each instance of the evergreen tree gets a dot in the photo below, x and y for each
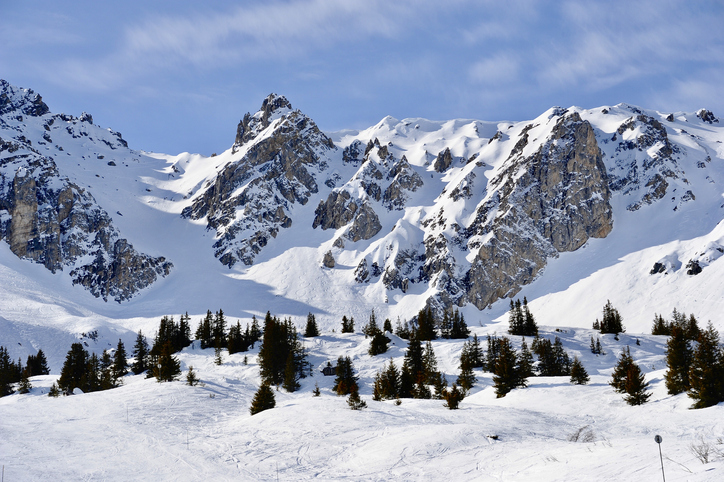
(621, 371)
(255, 332)
(346, 381)
(378, 344)
(291, 378)
(218, 332)
(204, 332)
(218, 356)
(37, 364)
(440, 386)
(453, 397)
(466, 380)
(120, 361)
(311, 329)
(280, 339)
(429, 364)
(263, 399)
(492, 354)
(237, 341)
(73, 373)
(387, 383)
(107, 379)
(525, 361)
(9, 373)
(458, 329)
(54, 391)
(165, 366)
(403, 331)
(426, 324)
(476, 354)
(25, 384)
(387, 326)
(316, 392)
(371, 328)
(553, 361)
(579, 375)
(355, 402)
(612, 321)
(191, 379)
(678, 360)
(706, 373)
(413, 360)
(506, 376)
(636, 386)
(91, 381)
(660, 327)
(183, 333)
(515, 318)
(141, 354)
(347, 325)
(446, 325)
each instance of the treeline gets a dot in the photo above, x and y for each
(12, 372)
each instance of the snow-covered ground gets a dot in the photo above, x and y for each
(170, 431)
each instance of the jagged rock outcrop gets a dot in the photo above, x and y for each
(552, 201)
(48, 219)
(250, 199)
(443, 160)
(340, 209)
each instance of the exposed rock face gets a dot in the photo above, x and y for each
(328, 261)
(443, 160)
(340, 209)
(249, 201)
(558, 203)
(48, 219)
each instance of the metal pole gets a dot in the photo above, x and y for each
(658, 440)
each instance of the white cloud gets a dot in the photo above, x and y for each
(500, 69)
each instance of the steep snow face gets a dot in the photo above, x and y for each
(46, 216)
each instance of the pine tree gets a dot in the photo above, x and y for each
(166, 367)
(191, 379)
(612, 321)
(446, 325)
(506, 376)
(678, 360)
(371, 328)
(621, 370)
(346, 381)
(347, 325)
(263, 399)
(453, 397)
(54, 391)
(291, 380)
(579, 375)
(413, 360)
(204, 332)
(92, 378)
(25, 384)
(316, 392)
(378, 345)
(7, 373)
(660, 327)
(525, 361)
(218, 332)
(255, 333)
(466, 380)
(403, 331)
(706, 373)
(492, 354)
(440, 386)
(426, 325)
(355, 402)
(107, 379)
(387, 326)
(73, 373)
(387, 383)
(636, 386)
(140, 353)
(120, 361)
(459, 329)
(311, 330)
(218, 356)
(183, 334)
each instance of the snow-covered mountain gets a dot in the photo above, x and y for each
(570, 209)
(394, 217)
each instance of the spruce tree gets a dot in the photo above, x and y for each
(371, 328)
(204, 332)
(579, 375)
(612, 321)
(73, 373)
(636, 386)
(218, 332)
(311, 330)
(263, 399)
(255, 333)
(678, 360)
(660, 327)
(191, 379)
(466, 380)
(108, 381)
(387, 383)
(347, 325)
(120, 361)
(378, 345)
(621, 370)
(25, 386)
(525, 361)
(446, 325)
(346, 381)
(355, 402)
(459, 329)
(506, 376)
(140, 353)
(291, 380)
(54, 391)
(8, 374)
(316, 392)
(91, 381)
(706, 373)
(387, 326)
(426, 324)
(166, 367)
(453, 397)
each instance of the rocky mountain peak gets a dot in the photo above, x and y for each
(22, 101)
(251, 125)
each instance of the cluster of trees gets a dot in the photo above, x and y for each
(282, 359)
(12, 372)
(414, 379)
(629, 379)
(521, 320)
(89, 372)
(212, 333)
(694, 358)
(611, 321)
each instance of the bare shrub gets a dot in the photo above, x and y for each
(584, 434)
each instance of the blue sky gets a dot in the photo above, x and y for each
(177, 76)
